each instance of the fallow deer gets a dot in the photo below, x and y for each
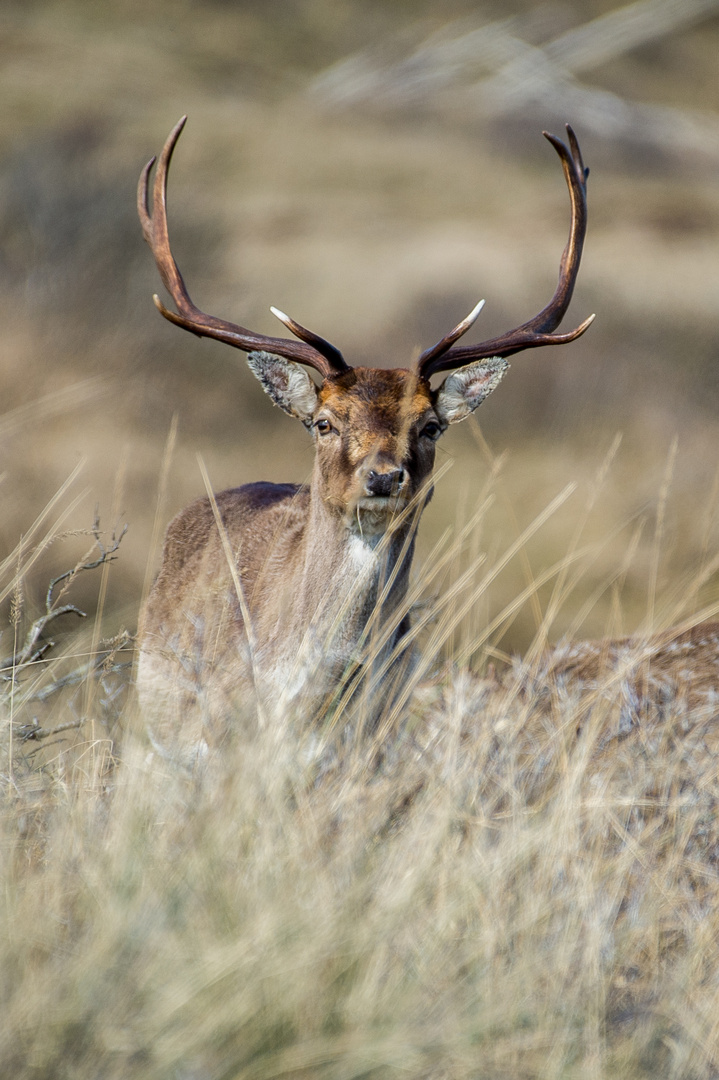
(637, 677)
(271, 588)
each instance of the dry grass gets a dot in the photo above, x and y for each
(498, 884)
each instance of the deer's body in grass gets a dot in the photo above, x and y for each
(274, 588)
(640, 675)
(307, 563)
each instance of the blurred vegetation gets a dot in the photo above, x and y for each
(377, 227)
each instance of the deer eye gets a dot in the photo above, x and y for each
(323, 427)
(432, 430)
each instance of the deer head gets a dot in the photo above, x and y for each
(375, 429)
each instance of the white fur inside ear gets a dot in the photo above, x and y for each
(287, 383)
(465, 390)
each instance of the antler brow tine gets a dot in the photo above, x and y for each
(539, 330)
(312, 350)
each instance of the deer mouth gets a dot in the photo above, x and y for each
(382, 504)
(373, 515)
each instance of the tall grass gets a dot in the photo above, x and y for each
(506, 884)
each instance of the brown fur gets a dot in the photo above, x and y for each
(310, 562)
(640, 675)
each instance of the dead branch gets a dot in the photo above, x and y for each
(35, 645)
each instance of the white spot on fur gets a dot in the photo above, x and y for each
(360, 554)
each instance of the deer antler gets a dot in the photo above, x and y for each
(312, 350)
(538, 331)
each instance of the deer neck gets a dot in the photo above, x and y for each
(349, 562)
(342, 573)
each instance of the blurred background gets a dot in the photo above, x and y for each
(373, 168)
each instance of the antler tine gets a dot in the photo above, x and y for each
(539, 330)
(311, 338)
(454, 335)
(313, 351)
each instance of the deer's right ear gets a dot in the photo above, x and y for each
(465, 390)
(287, 383)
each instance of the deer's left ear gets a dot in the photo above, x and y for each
(465, 390)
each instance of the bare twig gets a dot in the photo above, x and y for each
(34, 731)
(34, 645)
(103, 663)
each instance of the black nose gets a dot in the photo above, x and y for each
(385, 483)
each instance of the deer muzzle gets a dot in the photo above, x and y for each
(387, 484)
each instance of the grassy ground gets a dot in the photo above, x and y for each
(502, 884)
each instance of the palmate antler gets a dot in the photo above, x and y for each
(314, 351)
(538, 331)
(311, 350)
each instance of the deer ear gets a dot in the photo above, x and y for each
(465, 390)
(287, 383)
